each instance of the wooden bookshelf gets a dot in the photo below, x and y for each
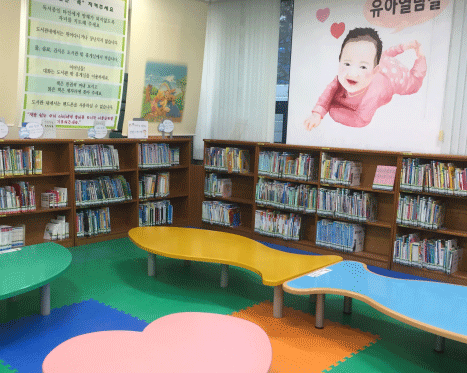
(379, 234)
(58, 170)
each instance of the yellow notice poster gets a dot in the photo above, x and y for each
(75, 58)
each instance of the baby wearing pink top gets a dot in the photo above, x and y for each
(367, 79)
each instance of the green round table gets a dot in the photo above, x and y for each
(32, 267)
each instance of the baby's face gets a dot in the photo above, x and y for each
(357, 65)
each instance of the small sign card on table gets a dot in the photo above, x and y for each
(138, 129)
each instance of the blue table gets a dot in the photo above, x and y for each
(32, 267)
(438, 308)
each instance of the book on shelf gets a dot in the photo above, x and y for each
(433, 254)
(96, 157)
(286, 195)
(17, 198)
(217, 186)
(155, 213)
(58, 197)
(221, 213)
(384, 177)
(287, 165)
(104, 189)
(154, 185)
(420, 211)
(277, 224)
(12, 238)
(26, 161)
(92, 222)
(341, 236)
(433, 177)
(154, 155)
(227, 159)
(57, 229)
(347, 204)
(339, 171)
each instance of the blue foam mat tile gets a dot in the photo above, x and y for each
(24, 343)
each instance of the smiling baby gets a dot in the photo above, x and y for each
(366, 80)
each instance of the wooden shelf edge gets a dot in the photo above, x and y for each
(450, 232)
(47, 174)
(459, 278)
(79, 241)
(37, 211)
(242, 201)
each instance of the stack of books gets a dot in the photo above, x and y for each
(347, 204)
(157, 155)
(26, 161)
(57, 229)
(12, 238)
(154, 186)
(216, 186)
(221, 213)
(155, 213)
(340, 171)
(433, 177)
(53, 198)
(340, 236)
(286, 196)
(227, 160)
(19, 197)
(277, 224)
(92, 222)
(424, 212)
(300, 166)
(102, 190)
(435, 254)
(98, 157)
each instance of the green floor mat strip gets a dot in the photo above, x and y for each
(6, 368)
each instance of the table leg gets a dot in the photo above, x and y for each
(151, 264)
(440, 343)
(45, 300)
(347, 305)
(320, 311)
(224, 275)
(278, 301)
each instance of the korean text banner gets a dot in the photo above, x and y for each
(75, 60)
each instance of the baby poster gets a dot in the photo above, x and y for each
(369, 74)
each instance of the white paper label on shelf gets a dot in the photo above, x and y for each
(35, 130)
(3, 130)
(137, 129)
(100, 129)
(319, 272)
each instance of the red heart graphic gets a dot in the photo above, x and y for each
(337, 29)
(322, 14)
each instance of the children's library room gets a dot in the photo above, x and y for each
(235, 186)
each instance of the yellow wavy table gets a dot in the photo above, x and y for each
(275, 267)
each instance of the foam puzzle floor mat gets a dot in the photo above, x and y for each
(297, 346)
(27, 341)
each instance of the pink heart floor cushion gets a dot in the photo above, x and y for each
(181, 342)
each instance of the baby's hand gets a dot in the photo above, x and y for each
(415, 45)
(312, 121)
